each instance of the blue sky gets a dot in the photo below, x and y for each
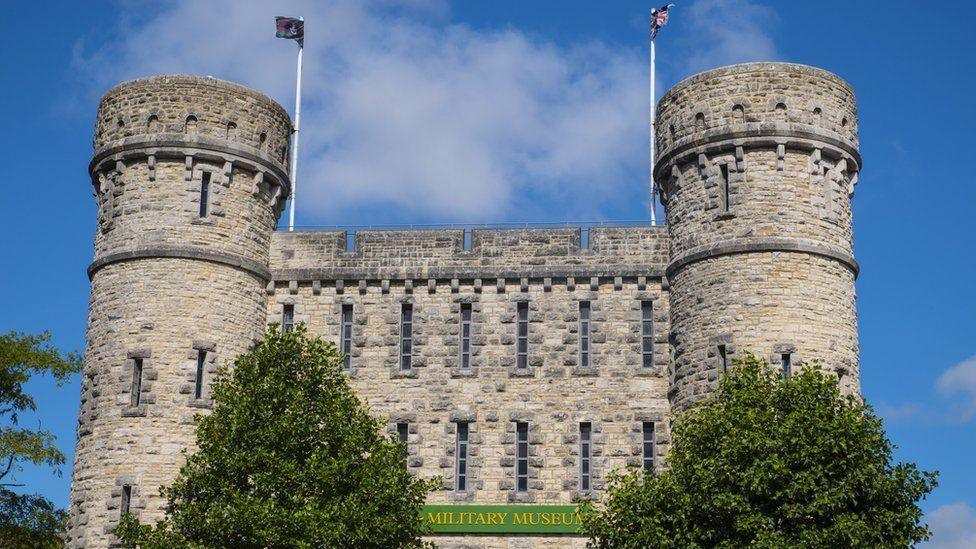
(517, 111)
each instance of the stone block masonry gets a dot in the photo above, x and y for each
(757, 165)
(452, 332)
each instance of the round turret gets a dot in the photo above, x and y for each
(190, 177)
(757, 165)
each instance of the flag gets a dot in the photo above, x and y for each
(659, 16)
(290, 28)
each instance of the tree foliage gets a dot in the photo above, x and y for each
(289, 457)
(769, 462)
(28, 520)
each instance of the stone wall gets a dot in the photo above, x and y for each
(194, 108)
(758, 164)
(545, 268)
(171, 282)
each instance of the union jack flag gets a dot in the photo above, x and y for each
(290, 28)
(659, 16)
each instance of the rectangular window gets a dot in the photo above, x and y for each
(345, 337)
(647, 439)
(461, 455)
(135, 395)
(723, 358)
(522, 457)
(204, 193)
(785, 363)
(724, 187)
(403, 432)
(465, 335)
(287, 318)
(586, 456)
(406, 336)
(126, 500)
(522, 361)
(584, 334)
(647, 334)
(201, 362)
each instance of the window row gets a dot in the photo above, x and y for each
(464, 334)
(521, 463)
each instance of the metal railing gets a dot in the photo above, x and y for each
(496, 225)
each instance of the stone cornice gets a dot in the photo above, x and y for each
(180, 252)
(753, 245)
(178, 146)
(800, 136)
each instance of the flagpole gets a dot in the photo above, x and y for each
(653, 117)
(294, 141)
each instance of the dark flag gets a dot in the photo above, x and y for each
(290, 28)
(659, 16)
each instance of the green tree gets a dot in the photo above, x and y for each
(289, 457)
(28, 520)
(769, 462)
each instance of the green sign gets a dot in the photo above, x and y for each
(502, 519)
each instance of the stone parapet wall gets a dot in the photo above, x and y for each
(193, 107)
(507, 253)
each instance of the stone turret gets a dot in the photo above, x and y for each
(190, 176)
(757, 165)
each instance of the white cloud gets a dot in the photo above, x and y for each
(411, 115)
(953, 527)
(723, 32)
(960, 380)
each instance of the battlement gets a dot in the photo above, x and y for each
(455, 253)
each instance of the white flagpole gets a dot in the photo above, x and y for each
(294, 141)
(653, 116)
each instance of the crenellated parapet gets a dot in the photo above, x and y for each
(488, 254)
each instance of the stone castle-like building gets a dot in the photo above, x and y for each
(520, 365)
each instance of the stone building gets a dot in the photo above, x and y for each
(520, 365)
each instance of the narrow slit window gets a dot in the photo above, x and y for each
(647, 334)
(135, 394)
(345, 340)
(461, 457)
(403, 433)
(724, 187)
(786, 363)
(584, 334)
(287, 318)
(465, 335)
(406, 336)
(522, 457)
(204, 193)
(126, 502)
(522, 351)
(647, 446)
(586, 457)
(201, 364)
(723, 358)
